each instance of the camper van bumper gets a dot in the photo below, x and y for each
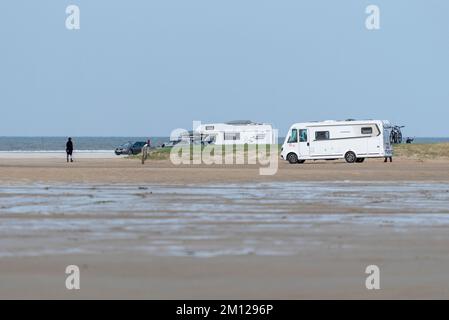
(283, 155)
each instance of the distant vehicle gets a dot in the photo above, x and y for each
(130, 148)
(136, 148)
(409, 140)
(168, 144)
(235, 132)
(123, 149)
(330, 140)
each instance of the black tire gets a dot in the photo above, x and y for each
(301, 161)
(360, 160)
(350, 157)
(292, 158)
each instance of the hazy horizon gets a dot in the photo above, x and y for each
(144, 68)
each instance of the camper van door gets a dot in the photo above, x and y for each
(292, 141)
(304, 144)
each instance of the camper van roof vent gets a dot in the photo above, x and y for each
(240, 122)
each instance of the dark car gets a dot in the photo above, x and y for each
(130, 148)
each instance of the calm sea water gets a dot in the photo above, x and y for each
(101, 143)
(81, 143)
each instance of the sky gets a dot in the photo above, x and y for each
(146, 67)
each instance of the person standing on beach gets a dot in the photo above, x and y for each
(69, 149)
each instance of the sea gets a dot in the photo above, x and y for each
(82, 144)
(102, 144)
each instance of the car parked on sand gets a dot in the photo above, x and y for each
(130, 148)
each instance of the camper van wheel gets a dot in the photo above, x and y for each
(360, 160)
(292, 158)
(301, 161)
(350, 157)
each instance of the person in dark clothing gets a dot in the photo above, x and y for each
(69, 149)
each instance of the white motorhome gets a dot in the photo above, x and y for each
(236, 132)
(351, 140)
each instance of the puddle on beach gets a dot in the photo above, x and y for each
(211, 220)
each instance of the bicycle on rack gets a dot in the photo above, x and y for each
(396, 135)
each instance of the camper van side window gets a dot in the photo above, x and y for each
(232, 136)
(209, 127)
(322, 135)
(367, 130)
(303, 135)
(293, 136)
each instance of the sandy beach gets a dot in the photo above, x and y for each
(224, 150)
(161, 231)
(110, 169)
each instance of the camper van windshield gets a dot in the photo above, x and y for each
(293, 136)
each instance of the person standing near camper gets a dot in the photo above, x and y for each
(69, 149)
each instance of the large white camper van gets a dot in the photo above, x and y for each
(236, 132)
(330, 140)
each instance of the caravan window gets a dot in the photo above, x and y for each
(367, 130)
(293, 136)
(232, 136)
(209, 127)
(322, 135)
(209, 139)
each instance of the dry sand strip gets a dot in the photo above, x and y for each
(120, 170)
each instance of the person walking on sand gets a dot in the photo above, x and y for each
(69, 149)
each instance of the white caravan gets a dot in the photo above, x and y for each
(351, 140)
(236, 132)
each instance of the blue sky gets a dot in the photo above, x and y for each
(145, 67)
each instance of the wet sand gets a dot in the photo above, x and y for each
(138, 232)
(322, 275)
